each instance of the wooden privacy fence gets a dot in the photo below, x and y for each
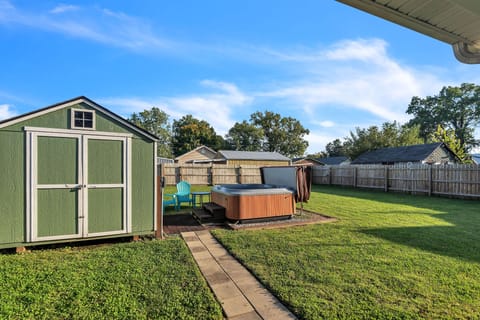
(206, 174)
(461, 181)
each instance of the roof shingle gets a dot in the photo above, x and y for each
(252, 155)
(413, 153)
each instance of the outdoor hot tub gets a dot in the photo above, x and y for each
(254, 201)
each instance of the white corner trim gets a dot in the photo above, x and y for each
(75, 131)
(155, 188)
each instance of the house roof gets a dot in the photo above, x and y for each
(161, 160)
(199, 149)
(72, 102)
(305, 158)
(251, 155)
(331, 161)
(456, 22)
(413, 153)
(476, 158)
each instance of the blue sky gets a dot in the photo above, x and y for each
(330, 66)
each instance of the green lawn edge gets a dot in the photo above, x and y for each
(389, 256)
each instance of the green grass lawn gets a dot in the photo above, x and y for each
(143, 280)
(390, 256)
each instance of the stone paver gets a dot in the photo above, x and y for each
(240, 294)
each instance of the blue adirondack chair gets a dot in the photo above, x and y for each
(169, 199)
(183, 193)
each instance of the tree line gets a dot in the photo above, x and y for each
(451, 117)
(265, 131)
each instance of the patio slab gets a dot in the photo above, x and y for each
(240, 294)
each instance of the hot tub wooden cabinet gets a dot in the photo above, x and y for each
(254, 201)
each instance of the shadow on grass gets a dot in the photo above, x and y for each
(460, 240)
(452, 241)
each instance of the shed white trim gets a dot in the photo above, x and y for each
(81, 132)
(73, 102)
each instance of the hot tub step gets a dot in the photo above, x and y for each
(204, 216)
(218, 212)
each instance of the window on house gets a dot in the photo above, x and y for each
(83, 119)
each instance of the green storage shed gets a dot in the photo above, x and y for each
(75, 171)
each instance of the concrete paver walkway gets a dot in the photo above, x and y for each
(241, 295)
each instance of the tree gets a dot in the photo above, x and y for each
(281, 134)
(448, 137)
(390, 134)
(156, 122)
(245, 137)
(454, 108)
(189, 133)
(316, 155)
(335, 148)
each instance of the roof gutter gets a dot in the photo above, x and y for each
(467, 53)
(465, 50)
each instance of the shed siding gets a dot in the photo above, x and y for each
(143, 199)
(13, 163)
(52, 208)
(12, 186)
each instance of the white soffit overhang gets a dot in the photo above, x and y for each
(456, 22)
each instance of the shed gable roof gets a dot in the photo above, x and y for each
(251, 155)
(72, 102)
(413, 153)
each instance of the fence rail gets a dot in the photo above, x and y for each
(459, 181)
(206, 174)
(462, 181)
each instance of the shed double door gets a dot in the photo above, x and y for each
(78, 186)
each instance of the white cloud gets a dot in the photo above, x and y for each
(216, 108)
(317, 141)
(327, 124)
(62, 8)
(365, 50)
(355, 74)
(353, 77)
(92, 23)
(6, 112)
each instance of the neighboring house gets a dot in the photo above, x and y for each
(161, 160)
(476, 158)
(433, 153)
(334, 161)
(252, 158)
(202, 154)
(306, 162)
(72, 171)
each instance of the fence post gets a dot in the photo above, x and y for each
(210, 174)
(430, 180)
(239, 174)
(354, 177)
(386, 178)
(330, 175)
(178, 174)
